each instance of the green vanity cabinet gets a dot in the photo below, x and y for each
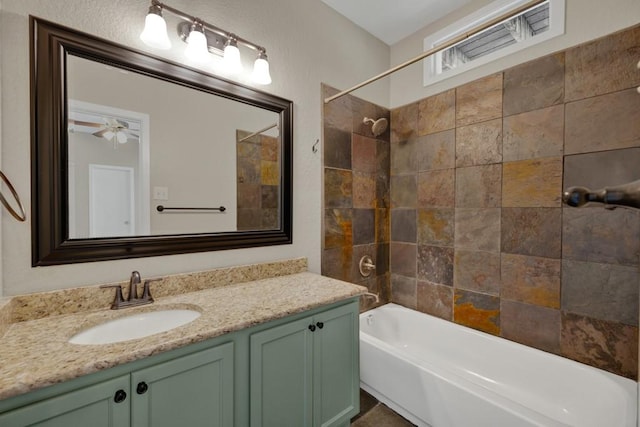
(94, 406)
(192, 390)
(297, 371)
(305, 373)
(281, 376)
(337, 367)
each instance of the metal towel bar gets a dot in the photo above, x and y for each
(161, 208)
(21, 216)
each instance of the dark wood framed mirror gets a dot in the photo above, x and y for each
(58, 239)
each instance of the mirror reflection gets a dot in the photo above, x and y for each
(149, 157)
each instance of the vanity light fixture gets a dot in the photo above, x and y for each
(155, 29)
(203, 39)
(231, 56)
(261, 69)
(197, 44)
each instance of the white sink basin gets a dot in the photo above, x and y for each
(135, 326)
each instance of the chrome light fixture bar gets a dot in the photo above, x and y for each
(203, 38)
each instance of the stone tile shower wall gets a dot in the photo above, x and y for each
(479, 235)
(356, 193)
(258, 187)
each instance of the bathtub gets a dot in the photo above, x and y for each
(439, 374)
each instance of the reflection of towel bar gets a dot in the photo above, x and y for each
(161, 208)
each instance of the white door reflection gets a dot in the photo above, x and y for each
(118, 141)
(112, 201)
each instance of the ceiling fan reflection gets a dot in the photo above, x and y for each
(112, 129)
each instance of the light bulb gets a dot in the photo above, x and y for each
(197, 46)
(121, 137)
(108, 135)
(231, 58)
(260, 73)
(155, 30)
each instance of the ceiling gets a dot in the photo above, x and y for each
(391, 21)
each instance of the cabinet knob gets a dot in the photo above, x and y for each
(312, 328)
(142, 388)
(120, 396)
(320, 325)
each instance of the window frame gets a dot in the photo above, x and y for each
(485, 14)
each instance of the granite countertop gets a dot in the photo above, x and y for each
(36, 353)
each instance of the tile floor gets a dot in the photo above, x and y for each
(376, 414)
(381, 416)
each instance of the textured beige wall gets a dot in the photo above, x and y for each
(585, 20)
(307, 43)
(2, 213)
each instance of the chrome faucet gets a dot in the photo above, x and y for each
(132, 298)
(134, 281)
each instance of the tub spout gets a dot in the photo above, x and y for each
(622, 195)
(372, 295)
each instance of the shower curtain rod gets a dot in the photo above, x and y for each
(437, 49)
(251, 135)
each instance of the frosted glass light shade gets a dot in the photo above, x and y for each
(261, 74)
(108, 135)
(155, 32)
(197, 47)
(121, 137)
(231, 59)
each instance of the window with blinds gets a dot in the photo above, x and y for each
(537, 24)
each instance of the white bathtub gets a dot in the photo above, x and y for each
(439, 374)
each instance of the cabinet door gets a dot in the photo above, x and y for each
(194, 390)
(280, 376)
(94, 406)
(336, 366)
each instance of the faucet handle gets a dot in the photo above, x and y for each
(146, 292)
(119, 299)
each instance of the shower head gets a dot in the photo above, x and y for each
(378, 126)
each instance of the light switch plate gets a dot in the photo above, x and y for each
(160, 193)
